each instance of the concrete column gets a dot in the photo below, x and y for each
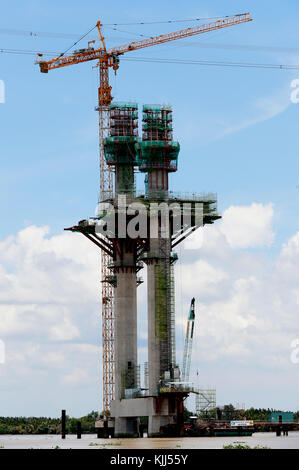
(158, 180)
(159, 350)
(125, 326)
(155, 423)
(160, 417)
(125, 336)
(153, 344)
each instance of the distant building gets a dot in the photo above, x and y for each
(281, 417)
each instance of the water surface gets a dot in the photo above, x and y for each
(90, 441)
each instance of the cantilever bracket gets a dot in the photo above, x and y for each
(103, 241)
(98, 244)
(185, 236)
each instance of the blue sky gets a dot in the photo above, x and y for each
(49, 127)
(237, 128)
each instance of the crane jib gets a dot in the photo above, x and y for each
(237, 19)
(108, 58)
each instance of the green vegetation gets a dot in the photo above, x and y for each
(229, 413)
(242, 445)
(187, 415)
(105, 444)
(43, 425)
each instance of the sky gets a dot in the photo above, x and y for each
(237, 128)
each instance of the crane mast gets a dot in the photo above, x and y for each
(110, 59)
(188, 342)
(106, 189)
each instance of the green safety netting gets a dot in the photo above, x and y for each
(156, 107)
(122, 104)
(157, 125)
(120, 149)
(157, 150)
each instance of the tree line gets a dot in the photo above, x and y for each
(46, 425)
(229, 413)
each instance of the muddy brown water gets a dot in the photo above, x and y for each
(90, 441)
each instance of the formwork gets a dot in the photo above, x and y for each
(157, 149)
(156, 122)
(120, 145)
(123, 119)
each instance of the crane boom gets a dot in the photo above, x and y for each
(188, 343)
(183, 33)
(110, 56)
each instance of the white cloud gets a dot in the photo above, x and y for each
(211, 126)
(261, 110)
(76, 377)
(207, 277)
(64, 331)
(248, 226)
(46, 283)
(246, 304)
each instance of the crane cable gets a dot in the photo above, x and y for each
(214, 63)
(172, 61)
(168, 21)
(76, 42)
(73, 35)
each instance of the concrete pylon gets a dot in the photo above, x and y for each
(157, 156)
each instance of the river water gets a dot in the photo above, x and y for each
(90, 441)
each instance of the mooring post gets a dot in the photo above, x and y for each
(78, 429)
(63, 424)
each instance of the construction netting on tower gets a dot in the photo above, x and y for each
(157, 156)
(119, 146)
(157, 149)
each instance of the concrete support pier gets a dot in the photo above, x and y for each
(125, 307)
(126, 332)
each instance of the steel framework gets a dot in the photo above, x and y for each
(205, 400)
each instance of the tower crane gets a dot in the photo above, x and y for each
(109, 58)
(188, 343)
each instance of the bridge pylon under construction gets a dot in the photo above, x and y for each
(142, 229)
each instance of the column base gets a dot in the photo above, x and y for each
(127, 412)
(126, 427)
(156, 422)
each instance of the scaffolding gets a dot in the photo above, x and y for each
(120, 145)
(130, 381)
(205, 400)
(165, 310)
(123, 119)
(157, 149)
(157, 122)
(146, 377)
(157, 155)
(108, 333)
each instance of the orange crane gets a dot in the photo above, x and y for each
(110, 59)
